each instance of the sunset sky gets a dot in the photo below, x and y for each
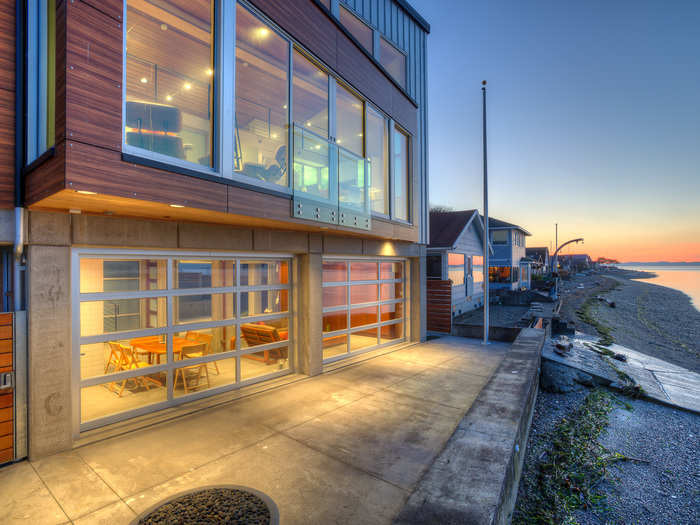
(593, 113)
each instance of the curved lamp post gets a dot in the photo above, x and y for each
(554, 264)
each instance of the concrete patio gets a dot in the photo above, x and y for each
(348, 446)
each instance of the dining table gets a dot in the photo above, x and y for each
(155, 347)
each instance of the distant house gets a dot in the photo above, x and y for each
(456, 252)
(575, 262)
(540, 258)
(509, 268)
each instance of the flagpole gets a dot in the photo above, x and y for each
(486, 223)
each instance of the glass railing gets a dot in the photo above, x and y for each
(331, 184)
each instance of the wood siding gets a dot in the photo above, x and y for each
(7, 103)
(7, 436)
(439, 305)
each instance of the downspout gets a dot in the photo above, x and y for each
(20, 109)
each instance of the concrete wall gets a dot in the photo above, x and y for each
(52, 235)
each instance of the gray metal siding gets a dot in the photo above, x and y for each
(394, 24)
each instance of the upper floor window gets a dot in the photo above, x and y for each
(349, 117)
(357, 28)
(500, 237)
(377, 144)
(41, 77)
(262, 110)
(400, 174)
(393, 60)
(310, 97)
(169, 95)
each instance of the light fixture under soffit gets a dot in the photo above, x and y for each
(86, 192)
(176, 205)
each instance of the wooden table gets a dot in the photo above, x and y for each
(156, 347)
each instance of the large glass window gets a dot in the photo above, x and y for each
(377, 147)
(400, 171)
(363, 305)
(41, 77)
(170, 78)
(500, 274)
(393, 60)
(500, 237)
(349, 120)
(357, 28)
(310, 84)
(234, 308)
(455, 268)
(262, 112)
(478, 269)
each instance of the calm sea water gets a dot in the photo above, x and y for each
(683, 278)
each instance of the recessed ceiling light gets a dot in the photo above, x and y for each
(263, 32)
(85, 192)
(187, 86)
(210, 72)
(164, 27)
(176, 205)
(144, 80)
(168, 97)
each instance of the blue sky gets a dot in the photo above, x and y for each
(594, 118)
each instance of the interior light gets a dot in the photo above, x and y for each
(359, 134)
(262, 32)
(85, 192)
(308, 124)
(318, 146)
(210, 72)
(338, 141)
(164, 27)
(187, 86)
(274, 135)
(144, 80)
(176, 205)
(284, 107)
(168, 97)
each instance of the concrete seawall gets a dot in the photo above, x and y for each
(475, 478)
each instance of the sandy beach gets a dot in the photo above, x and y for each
(649, 318)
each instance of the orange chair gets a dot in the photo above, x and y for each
(205, 339)
(196, 350)
(261, 334)
(128, 361)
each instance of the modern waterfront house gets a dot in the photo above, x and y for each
(456, 252)
(200, 196)
(509, 269)
(540, 258)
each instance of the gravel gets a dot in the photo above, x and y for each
(212, 506)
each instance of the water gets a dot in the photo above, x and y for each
(684, 278)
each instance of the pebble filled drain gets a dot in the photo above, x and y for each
(214, 505)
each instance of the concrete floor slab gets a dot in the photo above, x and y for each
(308, 486)
(376, 374)
(24, 497)
(390, 435)
(453, 388)
(118, 512)
(76, 487)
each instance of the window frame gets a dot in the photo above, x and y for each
(373, 50)
(378, 55)
(394, 126)
(170, 292)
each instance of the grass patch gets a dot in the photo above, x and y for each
(573, 466)
(585, 314)
(629, 386)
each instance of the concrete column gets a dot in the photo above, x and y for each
(417, 298)
(49, 350)
(310, 313)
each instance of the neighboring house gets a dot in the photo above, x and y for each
(540, 258)
(209, 194)
(509, 269)
(456, 252)
(575, 262)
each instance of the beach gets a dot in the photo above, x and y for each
(652, 319)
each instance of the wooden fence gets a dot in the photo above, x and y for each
(7, 432)
(439, 306)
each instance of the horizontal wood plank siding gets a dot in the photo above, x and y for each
(112, 8)
(93, 77)
(7, 435)
(7, 103)
(439, 305)
(103, 171)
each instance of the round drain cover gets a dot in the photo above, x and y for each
(214, 505)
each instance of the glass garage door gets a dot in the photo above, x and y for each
(154, 330)
(364, 305)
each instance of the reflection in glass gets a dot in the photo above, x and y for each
(310, 96)
(335, 345)
(262, 63)
(363, 316)
(390, 312)
(363, 271)
(363, 293)
(205, 307)
(351, 181)
(349, 120)
(189, 274)
(121, 315)
(254, 273)
(262, 363)
(264, 302)
(334, 271)
(391, 291)
(391, 332)
(334, 296)
(104, 275)
(377, 131)
(400, 169)
(333, 321)
(170, 78)
(363, 339)
(357, 28)
(393, 61)
(391, 270)
(311, 165)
